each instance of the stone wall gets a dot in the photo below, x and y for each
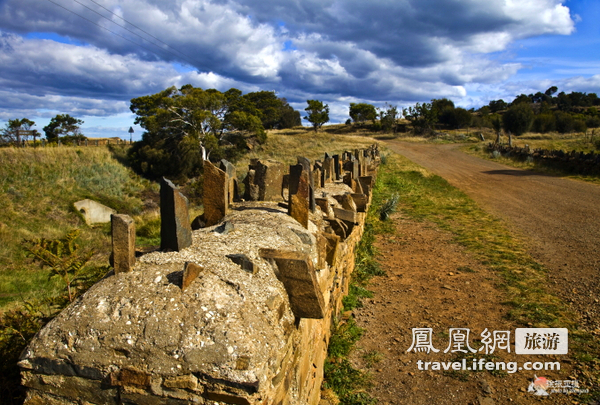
(240, 316)
(572, 162)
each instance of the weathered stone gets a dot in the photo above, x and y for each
(345, 215)
(299, 202)
(227, 398)
(123, 243)
(175, 228)
(131, 376)
(361, 201)
(331, 249)
(269, 178)
(317, 177)
(346, 202)
(325, 206)
(190, 273)
(311, 185)
(294, 178)
(188, 381)
(250, 187)
(216, 190)
(296, 272)
(70, 387)
(328, 170)
(336, 167)
(366, 184)
(244, 262)
(229, 169)
(93, 212)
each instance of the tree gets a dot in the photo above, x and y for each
(289, 117)
(456, 117)
(388, 118)
(318, 113)
(517, 119)
(360, 112)
(62, 125)
(422, 116)
(497, 105)
(186, 126)
(522, 98)
(551, 91)
(12, 133)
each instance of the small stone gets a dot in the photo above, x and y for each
(190, 273)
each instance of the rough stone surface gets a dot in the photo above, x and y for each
(251, 188)
(269, 178)
(123, 243)
(93, 212)
(232, 336)
(175, 228)
(190, 273)
(297, 273)
(299, 202)
(216, 195)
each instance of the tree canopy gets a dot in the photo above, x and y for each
(360, 112)
(517, 119)
(318, 113)
(185, 126)
(62, 125)
(11, 133)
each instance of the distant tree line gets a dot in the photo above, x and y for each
(540, 113)
(62, 127)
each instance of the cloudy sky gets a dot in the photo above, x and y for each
(88, 58)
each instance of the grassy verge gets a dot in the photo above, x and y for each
(424, 196)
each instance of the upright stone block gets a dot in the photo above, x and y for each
(299, 201)
(366, 183)
(175, 228)
(215, 198)
(296, 272)
(123, 243)
(250, 186)
(269, 178)
(229, 169)
(311, 185)
(328, 170)
(336, 167)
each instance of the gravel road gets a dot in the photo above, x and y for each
(559, 218)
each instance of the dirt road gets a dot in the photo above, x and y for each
(559, 218)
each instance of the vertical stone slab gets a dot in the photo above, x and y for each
(294, 178)
(311, 185)
(269, 178)
(215, 198)
(228, 168)
(318, 168)
(336, 167)
(175, 228)
(250, 186)
(299, 202)
(366, 183)
(123, 242)
(328, 170)
(296, 272)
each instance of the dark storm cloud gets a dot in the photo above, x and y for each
(404, 50)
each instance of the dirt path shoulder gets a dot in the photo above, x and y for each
(559, 218)
(432, 282)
